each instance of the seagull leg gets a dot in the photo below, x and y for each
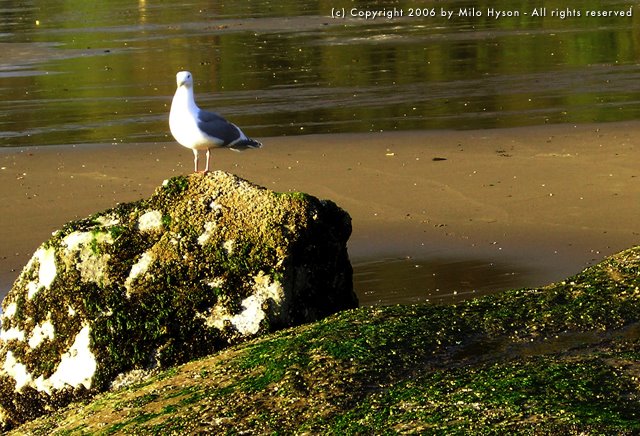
(206, 170)
(195, 161)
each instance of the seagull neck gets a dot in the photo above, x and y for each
(185, 95)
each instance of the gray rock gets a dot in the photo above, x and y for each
(207, 261)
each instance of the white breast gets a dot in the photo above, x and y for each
(183, 121)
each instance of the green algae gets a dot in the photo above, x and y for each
(176, 185)
(543, 394)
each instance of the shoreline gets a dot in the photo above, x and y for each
(520, 206)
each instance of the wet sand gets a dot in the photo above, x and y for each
(436, 214)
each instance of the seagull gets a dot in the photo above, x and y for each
(201, 130)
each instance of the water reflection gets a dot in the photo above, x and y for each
(103, 72)
(409, 281)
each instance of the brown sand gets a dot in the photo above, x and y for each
(546, 200)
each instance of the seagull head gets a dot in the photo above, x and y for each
(184, 78)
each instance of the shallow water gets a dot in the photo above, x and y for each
(385, 281)
(75, 72)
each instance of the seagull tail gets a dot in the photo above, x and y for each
(244, 144)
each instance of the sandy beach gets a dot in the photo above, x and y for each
(434, 212)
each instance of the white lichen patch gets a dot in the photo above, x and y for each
(248, 321)
(215, 207)
(107, 220)
(139, 269)
(47, 271)
(150, 221)
(217, 282)
(229, 245)
(32, 289)
(41, 332)
(209, 228)
(216, 316)
(11, 334)
(93, 262)
(77, 366)
(76, 241)
(10, 310)
(17, 371)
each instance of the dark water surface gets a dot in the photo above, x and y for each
(75, 72)
(406, 280)
(78, 72)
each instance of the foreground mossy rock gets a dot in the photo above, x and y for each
(205, 262)
(558, 360)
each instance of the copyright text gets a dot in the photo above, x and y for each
(472, 12)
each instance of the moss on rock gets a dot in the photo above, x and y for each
(206, 261)
(562, 359)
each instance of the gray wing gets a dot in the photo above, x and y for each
(217, 127)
